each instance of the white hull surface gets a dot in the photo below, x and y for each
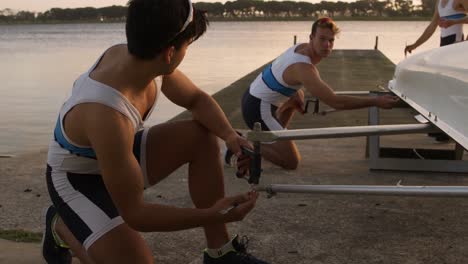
(435, 83)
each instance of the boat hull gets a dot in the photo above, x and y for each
(435, 83)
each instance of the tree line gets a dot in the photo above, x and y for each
(241, 9)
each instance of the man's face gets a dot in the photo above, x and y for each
(322, 41)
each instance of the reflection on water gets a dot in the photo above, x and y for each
(38, 64)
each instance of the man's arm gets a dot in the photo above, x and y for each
(111, 135)
(183, 92)
(427, 33)
(308, 75)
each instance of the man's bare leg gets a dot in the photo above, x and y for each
(188, 142)
(283, 153)
(171, 145)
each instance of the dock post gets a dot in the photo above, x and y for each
(295, 39)
(376, 47)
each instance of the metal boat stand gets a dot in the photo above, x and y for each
(372, 131)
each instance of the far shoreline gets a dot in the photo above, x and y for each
(218, 19)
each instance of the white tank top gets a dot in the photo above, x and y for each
(269, 85)
(64, 154)
(448, 12)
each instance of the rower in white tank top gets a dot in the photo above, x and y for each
(448, 12)
(269, 85)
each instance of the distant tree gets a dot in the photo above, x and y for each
(240, 9)
(24, 16)
(360, 8)
(305, 9)
(377, 7)
(275, 8)
(428, 7)
(213, 9)
(342, 7)
(113, 12)
(404, 7)
(7, 12)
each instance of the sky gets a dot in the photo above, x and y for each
(43, 5)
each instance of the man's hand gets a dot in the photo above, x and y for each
(234, 143)
(235, 208)
(409, 49)
(445, 23)
(295, 102)
(386, 101)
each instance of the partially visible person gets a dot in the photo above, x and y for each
(459, 6)
(445, 13)
(101, 157)
(449, 16)
(276, 94)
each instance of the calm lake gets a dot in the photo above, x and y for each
(38, 64)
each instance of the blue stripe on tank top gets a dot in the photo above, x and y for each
(270, 81)
(455, 16)
(60, 138)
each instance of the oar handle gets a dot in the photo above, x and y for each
(255, 169)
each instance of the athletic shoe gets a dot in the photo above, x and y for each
(51, 251)
(236, 255)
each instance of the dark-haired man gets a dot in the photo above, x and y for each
(276, 94)
(101, 157)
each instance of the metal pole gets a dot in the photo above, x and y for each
(337, 132)
(429, 191)
(256, 163)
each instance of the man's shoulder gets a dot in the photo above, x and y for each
(303, 67)
(99, 113)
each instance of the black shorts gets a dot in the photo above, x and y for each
(257, 110)
(449, 40)
(82, 200)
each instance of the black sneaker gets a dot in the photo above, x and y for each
(238, 255)
(51, 251)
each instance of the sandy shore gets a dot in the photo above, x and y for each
(288, 228)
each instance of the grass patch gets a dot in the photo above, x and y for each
(21, 236)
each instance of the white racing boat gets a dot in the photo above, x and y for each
(435, 83)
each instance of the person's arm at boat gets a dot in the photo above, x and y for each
(308, 75)
(182, 91)
(427, 33)
(111, 136)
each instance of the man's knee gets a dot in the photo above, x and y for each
(291, 163)
(207, 139)
(291, 159)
